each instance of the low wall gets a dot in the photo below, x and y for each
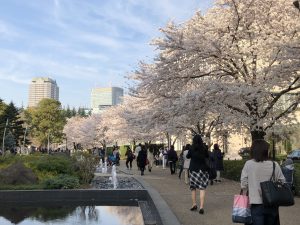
(111, 197)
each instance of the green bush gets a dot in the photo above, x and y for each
(63, 181)
(47, 170)
(53, 164)
(233, 169)
(85, 166)
(17, 174)
(297, 179)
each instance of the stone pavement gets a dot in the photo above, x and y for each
(218, 202)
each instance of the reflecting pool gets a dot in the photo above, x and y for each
(71, 215)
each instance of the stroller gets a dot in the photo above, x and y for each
(288, 172)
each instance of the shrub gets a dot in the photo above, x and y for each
(85, 166)
(297, 179)
(233, 169)
(63, 181)
(17, 174)
(53, 164)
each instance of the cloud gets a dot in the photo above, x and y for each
(7, 31)
(82, 42)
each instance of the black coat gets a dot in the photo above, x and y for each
(172, 156)
(199, 159)
(218, 159)
(142, 158)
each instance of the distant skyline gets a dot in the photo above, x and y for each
(80, 44)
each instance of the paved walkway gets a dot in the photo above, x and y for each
(218, 203)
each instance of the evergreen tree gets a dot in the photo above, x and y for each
(73, 113)
(68, 112)
(10, 141)
(2, 119)
(81, 112)
(15, 124)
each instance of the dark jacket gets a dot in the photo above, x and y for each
(172, 155)
(199, 159)
(142, 158)
(129, 154)
(218, 159)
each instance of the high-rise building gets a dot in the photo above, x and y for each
(40, 88)
(101, 98)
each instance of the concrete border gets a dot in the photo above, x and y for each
(122, 197)
(166, 215)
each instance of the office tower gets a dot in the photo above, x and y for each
(40, 88)
(101, 98)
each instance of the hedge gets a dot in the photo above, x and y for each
(233, 169)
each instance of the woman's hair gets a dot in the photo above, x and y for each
(197, 143)
(216, 146)
(172, 147)
(259, 150)
(187, 147)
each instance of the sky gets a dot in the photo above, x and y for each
(80, 43)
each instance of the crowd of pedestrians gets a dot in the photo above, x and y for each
(201, 167)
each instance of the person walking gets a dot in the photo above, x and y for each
(218, 161)
(129, 154)
(186, 164)
(256, 170)
(172, 159)
(212, 167)
(150, 160)
(199, 176)
(142, 159)
(180, 162)
(136, 153)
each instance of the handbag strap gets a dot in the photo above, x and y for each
(273, 172)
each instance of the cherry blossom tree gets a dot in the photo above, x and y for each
(245, 51)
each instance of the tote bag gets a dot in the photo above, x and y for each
(276, 193)
(241, 212)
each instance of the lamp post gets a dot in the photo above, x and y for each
(3, 141)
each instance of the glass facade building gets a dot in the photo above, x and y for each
(101, 98)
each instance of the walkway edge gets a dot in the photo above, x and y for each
(165, 213)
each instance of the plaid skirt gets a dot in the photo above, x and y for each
(199, 180)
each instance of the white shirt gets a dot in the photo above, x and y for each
(186, 163)
(254, 173)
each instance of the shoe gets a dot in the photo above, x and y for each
(201, 211)
(211, 182)
(194, 208)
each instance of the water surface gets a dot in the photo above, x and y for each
(71, 215)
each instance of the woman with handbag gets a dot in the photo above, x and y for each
(257, 170)
(199, 176)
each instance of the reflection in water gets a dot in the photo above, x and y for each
(71, 215)
(126, 216)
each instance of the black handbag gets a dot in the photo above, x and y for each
(275, 193)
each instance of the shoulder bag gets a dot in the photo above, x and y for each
(275, 193)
